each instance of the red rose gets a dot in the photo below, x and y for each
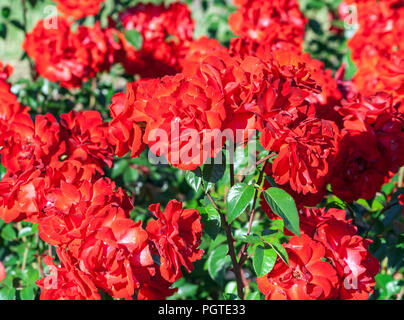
(377, 48)
(67, 57)
(176, 235)
(307, 277)
(312, 218)
(349, 253)
(78, 9)
(87, 139)
(198, 51)
(157, 288)
(74, 209)
(116, 257)
(305, 154)
(160, 104)
(360, 166)
(166, 32)
(125, 135)
(66, 283)
(390, 137)
(359, 111)
(21, 196)
(9, 105)
(278, 24)
(10, 108)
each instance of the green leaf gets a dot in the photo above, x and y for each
(130, 175)
(17, 24)
(387, 285)
(253, 296)
(211, 221)
(350, 66)
(30, 276)
(134, 38)
(27, 293)
(193, 178)
(119, 167)
(3, 30)
(231, 287)
(238, 198)
(5, 12)
(213, 171)
(230, 296)
(24, 232)
(8, 233)
(7, 294)
(283, 205)
(253, 238)
(281, 251)
(264, 260)
(187, 290)
(218, 261)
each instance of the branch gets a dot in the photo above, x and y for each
(232, 151)
(243, 255)
(232, 251)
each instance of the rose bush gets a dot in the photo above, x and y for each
(159, 151)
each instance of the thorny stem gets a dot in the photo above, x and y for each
(232, 151)
(232, 251)
(231, 174)
(245, 282)
(230, 243)
(25, 256)
(265, 159)
(92, 95)
(243, 254)
(237, 265)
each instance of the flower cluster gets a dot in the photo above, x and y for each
(55, 178)
(68, 57)
(72, 58)
(377, 47)
(78, 9)
(272, 24)
(166, 34)
(329, 261)
(315, 123)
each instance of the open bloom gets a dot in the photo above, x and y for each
(64, 56)
(349, 253)
(345, 250)
(360, 167)
(307, 277)
(116, 256)
(87, 139)
(166, 33)
(176, 235)
(176, 112)
(66, 283)
(278, 24)
(79, 9)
